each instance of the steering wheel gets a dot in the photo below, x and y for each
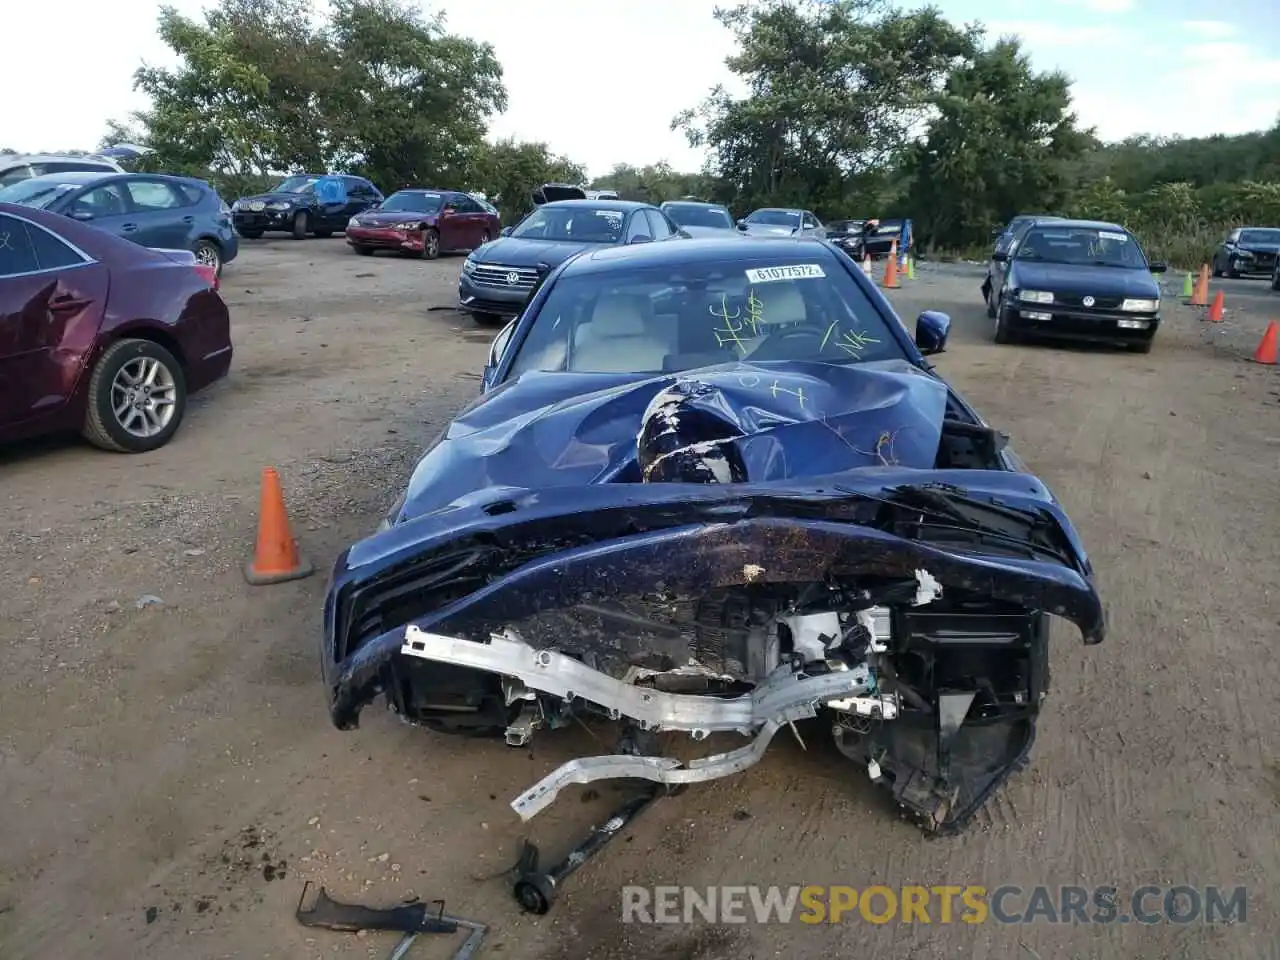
(776, 342)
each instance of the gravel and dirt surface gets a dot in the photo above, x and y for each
(169, 777)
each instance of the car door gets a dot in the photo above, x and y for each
(471, 219)
(165, 217)
(361, 195)
(1000, 268)
(638, 228)
(105, 206)
(451, 224)
(52, 298)
(661, 227)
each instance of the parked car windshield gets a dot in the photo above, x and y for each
(36, 192)
(1088, 246)
(680, 317)
(775, 218)
(696, 215)
(296, 185)
(1260, 236)
(846, 226)
(414, 201)
(576, 223)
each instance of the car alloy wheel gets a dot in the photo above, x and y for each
(430, 245)
(136, 397)
(208, 254)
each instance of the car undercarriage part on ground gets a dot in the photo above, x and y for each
(536, 890)
(411, 919)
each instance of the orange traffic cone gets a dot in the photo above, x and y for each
(276, 558)
(1267, 346)
(1215, 311)
(891, 269)
(1201, 296)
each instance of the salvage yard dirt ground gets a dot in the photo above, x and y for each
(169, 777)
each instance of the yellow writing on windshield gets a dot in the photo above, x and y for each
(755, 311)
(731, 333)
(854, 343)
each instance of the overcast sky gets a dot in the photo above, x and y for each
(599, 80)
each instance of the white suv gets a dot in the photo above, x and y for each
(19, 166)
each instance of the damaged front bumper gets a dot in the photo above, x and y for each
(725, 610)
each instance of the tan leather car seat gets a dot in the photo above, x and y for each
(620, 338)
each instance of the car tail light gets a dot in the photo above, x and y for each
(209, 273)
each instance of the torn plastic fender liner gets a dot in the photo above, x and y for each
(789, 550)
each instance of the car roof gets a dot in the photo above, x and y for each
(17, 159)
(1082, 224)
(691, 203)
(93, 176)
(621, 205)
(75, 176)
(710, 250)
(778, 210)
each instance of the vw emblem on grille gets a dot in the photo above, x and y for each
(513, 277)
(1088, 301)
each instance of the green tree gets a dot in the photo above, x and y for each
(263, 87)
(508, 172)
(1001, 144)
(654, 183)
(410, 103)
(834, 89)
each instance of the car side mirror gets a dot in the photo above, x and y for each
(641, 238)
(742, 225)
(1158, 266)
(81, 215)
(1000, 256)
(932, 328)
(447, 212)
(496, 349)
(504, 232)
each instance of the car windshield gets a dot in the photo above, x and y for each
(846, 226)
(413, 201)
(296, 185)
(696, 215)
(36, 192)
(1260, 236)
(583, 224)
(683, 316)
(1086, 246)
(775, 218)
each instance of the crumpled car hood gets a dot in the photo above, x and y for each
(794, 419)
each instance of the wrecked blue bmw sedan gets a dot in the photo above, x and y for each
(714, 489)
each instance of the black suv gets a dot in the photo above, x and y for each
(318, 204)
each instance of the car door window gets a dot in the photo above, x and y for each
(105, 201)
(638, 227)
(659, 225)
(51, 252)
(17, 255)
(14, 175)
(151, 196)
(810, 222)
(71, 166)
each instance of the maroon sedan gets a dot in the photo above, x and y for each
(424, 223)
(100, 335)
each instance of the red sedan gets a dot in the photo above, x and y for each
(100, 335)
(424, 223)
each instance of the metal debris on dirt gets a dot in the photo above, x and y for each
(411, 918)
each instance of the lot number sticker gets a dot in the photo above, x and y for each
(1109, 235)
(793, 271)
